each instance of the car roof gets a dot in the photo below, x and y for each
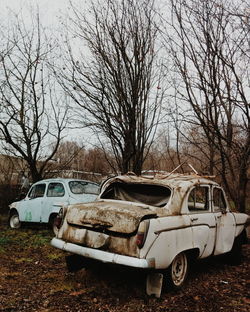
(63, 180)
(173, 180)
(179, 184)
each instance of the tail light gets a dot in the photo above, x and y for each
(142, 233)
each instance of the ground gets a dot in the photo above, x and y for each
(33, 277)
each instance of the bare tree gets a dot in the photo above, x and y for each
(33, 115)
(209, 44)
(115, 79)
(7, 169)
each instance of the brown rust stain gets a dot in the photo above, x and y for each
(120, 245)
(117, 217)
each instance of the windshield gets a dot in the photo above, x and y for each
(83, 187)
(154, 195)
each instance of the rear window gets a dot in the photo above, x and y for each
(154, 195)
(82, 187)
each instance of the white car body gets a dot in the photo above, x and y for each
(175, 214)
(46, 197)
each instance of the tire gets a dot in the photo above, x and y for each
(234, 257)
(14, 221)
(52, 224)
(178, 271)
(74, 263)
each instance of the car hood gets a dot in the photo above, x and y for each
(115, 216)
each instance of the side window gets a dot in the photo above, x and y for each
(37, 191)
(198, 199)
(55, 189)
(219, 202)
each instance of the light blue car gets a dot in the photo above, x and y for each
(46, 197)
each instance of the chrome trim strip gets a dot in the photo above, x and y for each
(184, 227)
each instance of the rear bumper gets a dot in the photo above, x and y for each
(104, 256)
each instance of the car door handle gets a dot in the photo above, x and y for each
(194, 219)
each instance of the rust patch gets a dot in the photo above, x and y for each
(117, 217)
(120, 245)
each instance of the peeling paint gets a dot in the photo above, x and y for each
(116, 217)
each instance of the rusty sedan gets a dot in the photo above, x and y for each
(159, 223)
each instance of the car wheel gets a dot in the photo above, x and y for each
(74, 263)
(14, 221)
(234, 257)
(178, 271)
(52, 224)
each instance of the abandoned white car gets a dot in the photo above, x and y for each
(46, 197)
(160, 223)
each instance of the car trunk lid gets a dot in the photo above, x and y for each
(115, 216)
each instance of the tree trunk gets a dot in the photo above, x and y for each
(242, 192)
(35, 174)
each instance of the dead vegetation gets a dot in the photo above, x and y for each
(33, 277)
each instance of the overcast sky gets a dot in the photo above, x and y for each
(50, 10)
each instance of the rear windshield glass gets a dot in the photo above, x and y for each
(154, 195)
(82, 187)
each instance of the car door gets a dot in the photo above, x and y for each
(30, 208)
(202, 219)
(225, 222)
(56, 196)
